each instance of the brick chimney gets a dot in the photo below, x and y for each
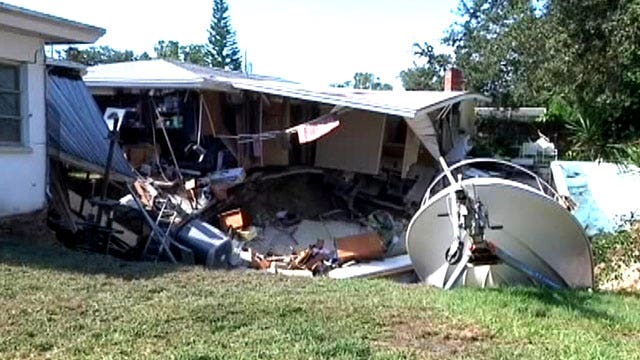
(453, 80)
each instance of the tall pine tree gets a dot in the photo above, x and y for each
(223, 49)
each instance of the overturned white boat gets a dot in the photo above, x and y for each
(492, 231)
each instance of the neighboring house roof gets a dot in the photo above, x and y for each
(80, 68)
(518, 114)
(52, 29)
(164, 74)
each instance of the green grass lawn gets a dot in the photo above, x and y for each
(59, 304)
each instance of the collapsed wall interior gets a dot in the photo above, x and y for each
(179, 141)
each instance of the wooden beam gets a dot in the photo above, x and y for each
(87, 166)
(204, 105)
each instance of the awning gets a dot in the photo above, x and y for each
(77, 134)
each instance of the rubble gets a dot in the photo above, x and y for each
(200, 196)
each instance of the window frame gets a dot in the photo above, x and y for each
(20, 93)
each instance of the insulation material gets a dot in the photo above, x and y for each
(356, 145)
(316, 129)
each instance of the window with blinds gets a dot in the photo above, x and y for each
(10, 104)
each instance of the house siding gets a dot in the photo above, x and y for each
(23, 168)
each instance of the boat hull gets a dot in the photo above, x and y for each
(536, 231)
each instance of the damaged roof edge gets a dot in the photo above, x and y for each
(161, 74)
(453, 100)
(358, 103)
(328, 99)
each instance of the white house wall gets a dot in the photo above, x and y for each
(23, 168)
(18, 47)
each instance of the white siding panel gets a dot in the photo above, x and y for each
(23, 168)
(356, 145)
(22, 181)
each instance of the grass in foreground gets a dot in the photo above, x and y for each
(56, 303)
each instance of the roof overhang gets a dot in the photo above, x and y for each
(51, 29)
(140, 84)
(161, 74)
(376, 101)
(153, 74)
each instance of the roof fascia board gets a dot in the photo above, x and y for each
(327, 99)
(51, 29)
(111, 84)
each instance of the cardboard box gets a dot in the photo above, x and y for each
(235, 219)
(359, 247)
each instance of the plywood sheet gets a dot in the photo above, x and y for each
(356, 145)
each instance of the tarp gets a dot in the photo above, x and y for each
(75, 128)
(607, 195)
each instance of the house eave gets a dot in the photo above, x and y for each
(51, 29)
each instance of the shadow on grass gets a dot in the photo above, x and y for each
(55, 257)
(583, 303)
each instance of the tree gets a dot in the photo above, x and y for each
(167, 50)
(223, 51)
(144, 56)
(601, 69)
(429, 74)
(500, 47)
(97, 55)
(195, 54)
(365, 81)
(172, 50)
(581, 58)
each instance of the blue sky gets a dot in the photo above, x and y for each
(312, 41)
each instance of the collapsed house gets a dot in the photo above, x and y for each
(216, 119)
(195, 137)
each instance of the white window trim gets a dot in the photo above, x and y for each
(22, 144)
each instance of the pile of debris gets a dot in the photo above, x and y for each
(293, 222)
(330, 246)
